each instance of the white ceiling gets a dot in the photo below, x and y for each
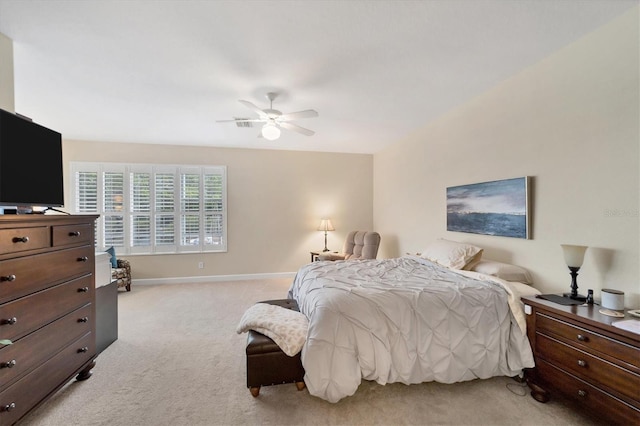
(165, 71)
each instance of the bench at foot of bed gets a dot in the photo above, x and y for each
(266, 363)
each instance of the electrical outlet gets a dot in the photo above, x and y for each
(200, 265)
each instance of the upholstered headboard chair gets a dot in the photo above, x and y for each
(358, 245)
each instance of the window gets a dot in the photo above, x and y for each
(154, 208)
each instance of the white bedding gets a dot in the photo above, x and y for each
(406, 320)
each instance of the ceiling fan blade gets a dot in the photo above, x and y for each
(295, 128)
(249, 105)
(242, 120)
(307, 113)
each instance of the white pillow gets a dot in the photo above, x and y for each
(504, 271)
(524, 289)
(451, 254)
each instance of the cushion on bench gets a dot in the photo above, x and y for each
(287, 328)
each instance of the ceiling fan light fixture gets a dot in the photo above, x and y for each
(274, 120)
(270, 132)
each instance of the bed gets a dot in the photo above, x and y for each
(410, 319)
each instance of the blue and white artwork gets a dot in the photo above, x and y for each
(491, 208)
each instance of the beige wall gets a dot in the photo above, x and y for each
(6, 74)
(275, 202)
(571, 122)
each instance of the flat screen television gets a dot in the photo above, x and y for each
(30, 163)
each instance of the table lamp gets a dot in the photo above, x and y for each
(325, 225)
(574, 256)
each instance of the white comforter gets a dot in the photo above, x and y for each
(405, 320)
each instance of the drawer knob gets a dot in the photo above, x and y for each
(83, 349)
(74, 234)
(10, 321)
(83, 289)
(9, 407)
(582, 393)
(9, 364)
(11, 277)
(583, 338)
(582, 363)
(21, 239)
(83, 259)
(83, 319)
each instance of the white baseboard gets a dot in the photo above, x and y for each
(212, 278)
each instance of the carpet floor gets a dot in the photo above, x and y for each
(178, 361)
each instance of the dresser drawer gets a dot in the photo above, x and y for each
(590, 398)
(21, 239)
(588, 340)
(29, 313)
(25, 275)
(35, 386)
(588, 367)
(64, 235)
(30, 351)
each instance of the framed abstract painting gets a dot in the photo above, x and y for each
(499, 208)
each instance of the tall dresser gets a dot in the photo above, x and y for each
(47, 307)
(581, 356)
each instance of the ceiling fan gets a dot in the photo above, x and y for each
(274, 120)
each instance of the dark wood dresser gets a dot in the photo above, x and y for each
(580, 355)
(47, 307)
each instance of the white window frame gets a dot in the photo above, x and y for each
(127, 169)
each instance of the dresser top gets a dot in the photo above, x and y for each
(585, 314)
(12, 220)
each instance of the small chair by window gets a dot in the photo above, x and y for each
(120, 270)
(358, 245)
(122, 274)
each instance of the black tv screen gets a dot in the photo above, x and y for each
(30, 163)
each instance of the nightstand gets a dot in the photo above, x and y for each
(315, 254)
(580, 355)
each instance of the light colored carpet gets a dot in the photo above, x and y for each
(179, 361)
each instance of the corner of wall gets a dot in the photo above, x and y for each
(7, 100)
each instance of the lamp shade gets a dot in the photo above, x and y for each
(325, 225)
(573, 255)
(270, 132)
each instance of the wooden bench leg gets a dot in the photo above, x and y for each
(255, 391)
(300, 385)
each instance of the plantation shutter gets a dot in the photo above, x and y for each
(154, 209)
(87, 192)
(164, 208)
(140, 194)
(113, 216)
(214, 208)
(190, 238)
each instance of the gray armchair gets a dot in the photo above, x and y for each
(358, 245)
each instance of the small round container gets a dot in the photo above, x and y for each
(612, 299)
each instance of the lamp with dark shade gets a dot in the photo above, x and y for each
(574, 256)
(325, 225)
